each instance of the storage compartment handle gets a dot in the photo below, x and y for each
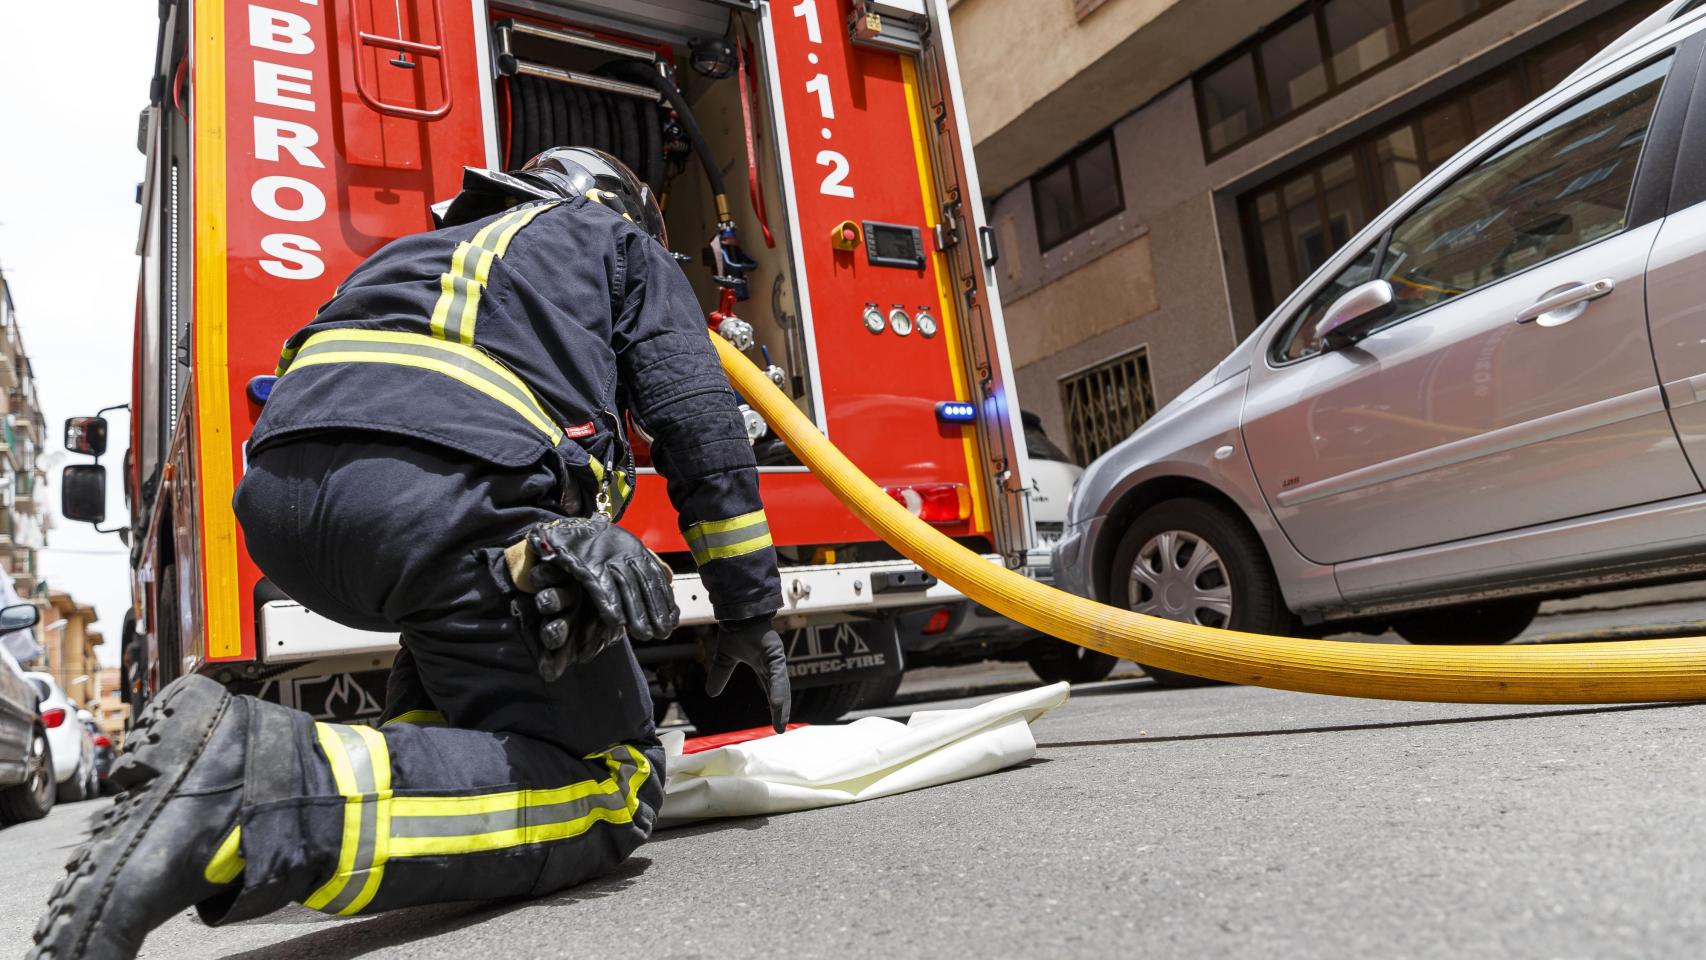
(365, 83)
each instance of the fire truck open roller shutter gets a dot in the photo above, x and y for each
(1617, 672)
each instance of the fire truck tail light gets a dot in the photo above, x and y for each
(938, 503)
(938, 622)
(52, 717)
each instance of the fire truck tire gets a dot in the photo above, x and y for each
(742, 707)
(880, 692)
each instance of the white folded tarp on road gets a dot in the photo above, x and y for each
(823, 766)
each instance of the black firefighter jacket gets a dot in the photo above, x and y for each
(529, 334)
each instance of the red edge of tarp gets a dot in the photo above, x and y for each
(712, 742)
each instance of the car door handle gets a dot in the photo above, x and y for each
(1567, 296)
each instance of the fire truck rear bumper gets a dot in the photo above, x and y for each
(291, 633)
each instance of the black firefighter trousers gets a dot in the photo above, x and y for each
(483, 780)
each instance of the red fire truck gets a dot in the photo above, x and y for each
(821, 197)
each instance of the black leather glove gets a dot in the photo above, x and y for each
(591, 581)
(755, 643)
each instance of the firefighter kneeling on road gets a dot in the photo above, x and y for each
(443, 456)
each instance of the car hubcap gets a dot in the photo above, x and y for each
(37, 765)
(1178, 576)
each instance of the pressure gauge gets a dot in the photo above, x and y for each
(926, 323)
(873, 318)
(899, 322)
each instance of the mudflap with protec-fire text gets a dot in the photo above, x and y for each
(838, 653)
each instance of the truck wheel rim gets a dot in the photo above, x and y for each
(1178, 576)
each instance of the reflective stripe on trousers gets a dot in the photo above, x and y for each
(379, 827)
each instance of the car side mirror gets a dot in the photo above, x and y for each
(19, 616)
(83, 492)
(86, 435)
(1354, 314)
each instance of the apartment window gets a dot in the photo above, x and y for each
(1296, 221)
(1317, 50)
(1079, 191)
(1107, 403)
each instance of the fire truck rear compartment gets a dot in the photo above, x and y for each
(569, 77)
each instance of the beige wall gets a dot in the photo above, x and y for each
(1038, 78)
(71, 640)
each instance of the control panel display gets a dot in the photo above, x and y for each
(894, 245)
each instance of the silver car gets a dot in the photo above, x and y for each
(1490, 396)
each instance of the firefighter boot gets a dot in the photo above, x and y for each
(169, 841)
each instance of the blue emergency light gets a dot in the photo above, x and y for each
(260, 388)
(956, 411)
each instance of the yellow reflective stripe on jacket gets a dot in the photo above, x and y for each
(734, 537)
(420, 718)
(446, 826)
(462, 363)
(227, 862)
(470, 268)
(361, 769)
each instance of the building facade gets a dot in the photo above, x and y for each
(1162, 173)
(23, 431)
(69, 642)
(113, 715)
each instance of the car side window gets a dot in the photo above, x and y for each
(1563, 183)
(1302, 341)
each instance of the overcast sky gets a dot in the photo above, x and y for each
(70, 92)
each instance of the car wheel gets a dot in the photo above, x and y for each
(74, 789)
(1490, 623)
(32, 799)
(1057, 660)
(1191, 561)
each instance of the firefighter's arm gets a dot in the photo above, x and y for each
(679, 395)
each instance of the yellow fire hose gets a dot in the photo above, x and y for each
(1625, 672)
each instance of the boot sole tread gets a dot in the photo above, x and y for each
(59, 935)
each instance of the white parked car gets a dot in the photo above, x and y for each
(73, 748)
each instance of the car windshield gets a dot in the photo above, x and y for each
(42, 689)
(1039, 444)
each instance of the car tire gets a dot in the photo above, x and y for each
(1235, 591)
(1490, 623)
(1057, 660)
(32, 799)
(74, 789)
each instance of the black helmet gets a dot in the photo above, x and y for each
(558, 173)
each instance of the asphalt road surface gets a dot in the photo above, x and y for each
(1216, 822)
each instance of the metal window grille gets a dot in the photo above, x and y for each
(1107, 403)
